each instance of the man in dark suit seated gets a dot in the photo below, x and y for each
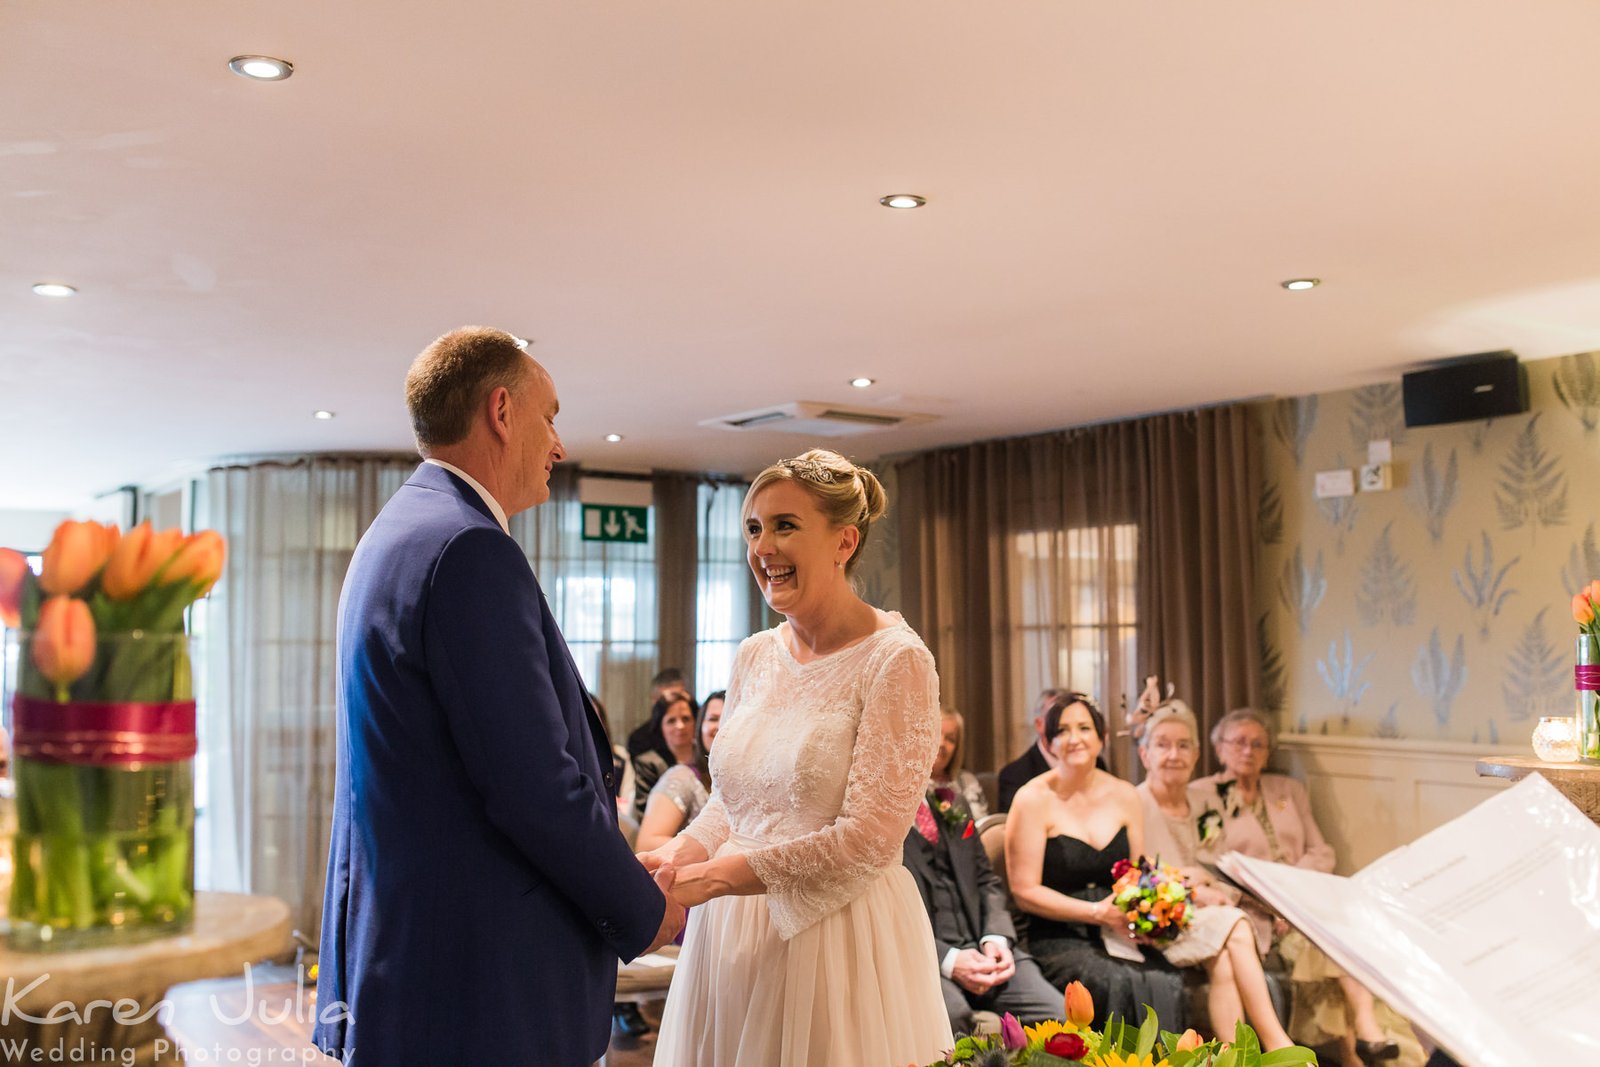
(972, 929)
(1035, 761)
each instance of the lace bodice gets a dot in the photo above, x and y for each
(819, 767)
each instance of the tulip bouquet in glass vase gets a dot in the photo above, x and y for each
(103, 733)
(1073, 1043)
(1586, 671)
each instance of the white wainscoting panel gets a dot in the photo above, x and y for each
(1372, 794)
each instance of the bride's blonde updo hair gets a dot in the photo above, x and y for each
(847, 495)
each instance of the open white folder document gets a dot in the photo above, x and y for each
(1485, 932)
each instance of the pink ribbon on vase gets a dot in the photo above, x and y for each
(103, 735)
(1586, 677)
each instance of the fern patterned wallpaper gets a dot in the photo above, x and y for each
(1438, 609)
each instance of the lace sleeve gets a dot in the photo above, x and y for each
(710, 827)
(814, 875)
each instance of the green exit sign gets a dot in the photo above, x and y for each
(616, 522)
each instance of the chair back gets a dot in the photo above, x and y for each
(992, 833)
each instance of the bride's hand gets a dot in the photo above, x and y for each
(681, 851)
(694, 885)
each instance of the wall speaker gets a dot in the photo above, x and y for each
(1476, 387)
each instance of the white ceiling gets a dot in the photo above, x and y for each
(678, 202)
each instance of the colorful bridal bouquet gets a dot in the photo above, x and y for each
(1586, 672)
(1154, 897)
(103, 722)
(1073, 1043)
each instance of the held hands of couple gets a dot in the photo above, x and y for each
(673, 916)
(978, 970)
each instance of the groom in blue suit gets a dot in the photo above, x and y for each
(479, 893)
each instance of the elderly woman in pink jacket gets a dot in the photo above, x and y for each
(1268, 816)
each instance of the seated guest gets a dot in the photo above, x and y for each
(669, 737)
(667, 680)
(947, 765)
(685, 787)
(972, 930)
(1219, 936)
(1268, 816)
(1067, 828)
(1036, 760)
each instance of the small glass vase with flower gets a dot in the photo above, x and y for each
(103, 723)
(1586, 670)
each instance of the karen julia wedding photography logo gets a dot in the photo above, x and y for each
(63, 1026)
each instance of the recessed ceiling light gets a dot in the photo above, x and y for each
(522, 342)
(613, 437)
(1297, 284)
(53, 289)
(862, 383)
(903, 201)
(322, 414)
(261, 68)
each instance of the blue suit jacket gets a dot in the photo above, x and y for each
(479, 893)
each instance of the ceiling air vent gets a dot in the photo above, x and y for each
(816, 420)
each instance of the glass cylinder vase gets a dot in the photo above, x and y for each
(1586, 678)
(103, 768)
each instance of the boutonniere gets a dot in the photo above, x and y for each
(947, 803)
(1209, 825)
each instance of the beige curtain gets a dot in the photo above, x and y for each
(264, 775)
(1085, 559)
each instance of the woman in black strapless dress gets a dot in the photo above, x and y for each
(1065, 831)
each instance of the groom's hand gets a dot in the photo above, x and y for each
(673, 915)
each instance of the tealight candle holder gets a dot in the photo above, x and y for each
(1555, 739)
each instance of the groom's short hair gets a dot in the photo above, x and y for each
(449, 381)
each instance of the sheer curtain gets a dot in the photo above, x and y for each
(264, 777)
(1084, 559)
(266, 635)
(603, 595)
(728, 607)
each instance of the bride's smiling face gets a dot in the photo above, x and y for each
(795, 553)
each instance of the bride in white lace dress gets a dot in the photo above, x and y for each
(810, 944)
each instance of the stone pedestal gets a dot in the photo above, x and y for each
(1578, 782)
(105, 1005)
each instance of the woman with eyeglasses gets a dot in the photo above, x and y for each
(1219, 936)
(1268, 816)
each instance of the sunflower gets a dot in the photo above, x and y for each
(1119, 1059)
(1039, 1033)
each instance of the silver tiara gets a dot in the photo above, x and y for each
(811, 470)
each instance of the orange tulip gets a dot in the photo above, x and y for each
(1582, 610)
(198, 561)
(1188, 1042)
(63, 641)
(136, 559)
(1594, 591)
(75, 555)
(1079, 1004)
(13, 573)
